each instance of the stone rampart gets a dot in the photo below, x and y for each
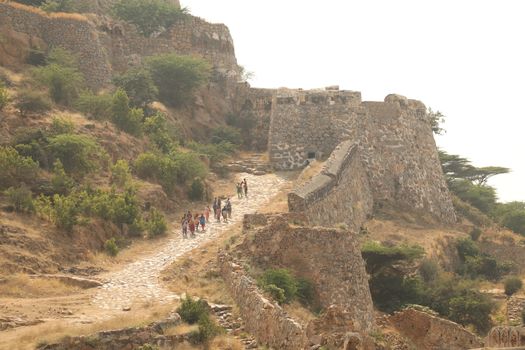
(71, 32)
(340, 193)
(264, 319)
(104, 45)
(429, 332)
(394, 140)
(329, 258)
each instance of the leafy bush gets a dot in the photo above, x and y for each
(158, 131)
(65, 212)
(475, 233)
(148, 347)
(15, 169)
(428, 270)
(32, 101)
(191, 311)
(214, 152)
(177, 77)
(94, 106)
(4, 96)
(79, 154)
(110, 246)
(466, 248)
(245, 122)
(197, 190)
(379, 256)
(306, 292)
(138, 85)
(275, 292)
(280, 278)
(61, 126)
(226, 134)
(207, 330)
(471, 213)
(149, 16)
(126, 118)
(21, 198)
(156, 223)
(472, 307)
(511, 215)
(512, 285)
(61, 76)
(120, 173)
(61, 183)
(475, 264)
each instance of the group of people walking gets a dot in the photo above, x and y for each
(242, 189)
(190, 223)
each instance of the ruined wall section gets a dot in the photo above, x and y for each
(264, 319)
(71, 32)
(330, 258)
(340, 193)
(312, 122)
(399, 152)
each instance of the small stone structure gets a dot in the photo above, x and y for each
(266, 320)
(340, 193)
(330, 258)
(429, 332)
(506, 337)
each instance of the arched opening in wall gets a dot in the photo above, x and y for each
(310, 155)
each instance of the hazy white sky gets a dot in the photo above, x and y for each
(465, 58)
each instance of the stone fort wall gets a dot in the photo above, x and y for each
(340, 193)
(394, 142)
(104, 45)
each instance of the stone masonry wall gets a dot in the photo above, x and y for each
(394, 139)
(340, 193)
(104, 45)
(330, 258)
(429, 332)
(265, 320)
(70, 32)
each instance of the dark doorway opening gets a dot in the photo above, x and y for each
(311, 155)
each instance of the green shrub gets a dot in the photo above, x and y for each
(61, 183)
(149, 16)
(15, 169)
(471, 213)
(177, 76)
(197, 190)
(512, 285)
(32, 143)
(120, 173)
(110, 246)
(475, 264)
(189, 166)
(137, 227)
(246, 122)
(160, 133)
(306, 292)
(511, 215)
(34, 101)
(156, 223)
(97, 107)
(207, 330)
(4, 96)
(281, 278)
(79, 154)
(61, 126)
(65, 212)
(275, 292)
(214, 152)
(475, 233)
(191, 311)
(61, 76)
(466, 247)
(21, 198)
(124, 117)
(148, 347)
(138, 85)
(226, 134)
(472, 307)
(428, 270)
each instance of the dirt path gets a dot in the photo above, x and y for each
(139, 281)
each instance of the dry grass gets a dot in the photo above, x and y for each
(299, 312)
(225, 342)
(50, 332)
(181, 329)
(22, 286)
(54, 15)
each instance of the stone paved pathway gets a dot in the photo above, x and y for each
(139, 281)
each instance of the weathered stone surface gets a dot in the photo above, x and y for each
(394, 141)
(265, 320)
(339, 194)
(80, 282)
(429, 332)
(330, 258)
(506, 337)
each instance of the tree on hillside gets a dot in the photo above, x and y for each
(177, 76)
(149, 16)
(481, 175)
(436, 119)
(126, 118)
(139, 86)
